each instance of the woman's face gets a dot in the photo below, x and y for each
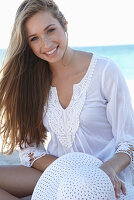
(46, 36)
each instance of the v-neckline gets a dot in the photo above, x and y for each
(75, 85)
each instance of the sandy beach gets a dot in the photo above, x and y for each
(10, 160)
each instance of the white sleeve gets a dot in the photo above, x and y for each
(29, 154)
(119, 109)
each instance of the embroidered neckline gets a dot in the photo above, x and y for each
(64, 123)
(75, 84)
(89, 71)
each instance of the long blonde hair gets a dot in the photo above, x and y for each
(25, 82)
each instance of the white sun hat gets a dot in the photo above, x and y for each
(74, 176)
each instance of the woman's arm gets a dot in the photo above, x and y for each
(114, 166)
(119, 162)
(43, 162)
(120, 116)
(36, 157)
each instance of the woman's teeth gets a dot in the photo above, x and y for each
(50, 52)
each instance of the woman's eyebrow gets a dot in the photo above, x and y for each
(44, 30)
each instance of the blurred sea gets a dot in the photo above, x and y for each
(123, 55)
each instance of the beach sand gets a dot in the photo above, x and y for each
(10, 160)
(14, 158)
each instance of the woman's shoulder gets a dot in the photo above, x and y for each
(106, 64)
(101, 63)
(101, 60)
(83, 55)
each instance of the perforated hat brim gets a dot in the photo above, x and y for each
(75, 176)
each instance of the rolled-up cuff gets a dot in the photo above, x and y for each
(30, 154)
(127, 148)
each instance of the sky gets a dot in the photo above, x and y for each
(90, 22)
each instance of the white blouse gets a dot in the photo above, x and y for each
(98, 121)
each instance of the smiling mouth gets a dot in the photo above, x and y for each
(51, 52)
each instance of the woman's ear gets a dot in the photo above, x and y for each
(65, 25)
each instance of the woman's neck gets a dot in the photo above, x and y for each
(65, 65)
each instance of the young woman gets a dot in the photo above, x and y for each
(80, 98)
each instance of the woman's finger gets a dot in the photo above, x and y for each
(123, 188)
(116, 185)
(117, 188)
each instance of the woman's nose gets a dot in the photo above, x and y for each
(45, 43)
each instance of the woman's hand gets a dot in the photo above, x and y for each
(117, 183)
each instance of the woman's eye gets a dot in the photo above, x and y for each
(33, 39)
(51, 30)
